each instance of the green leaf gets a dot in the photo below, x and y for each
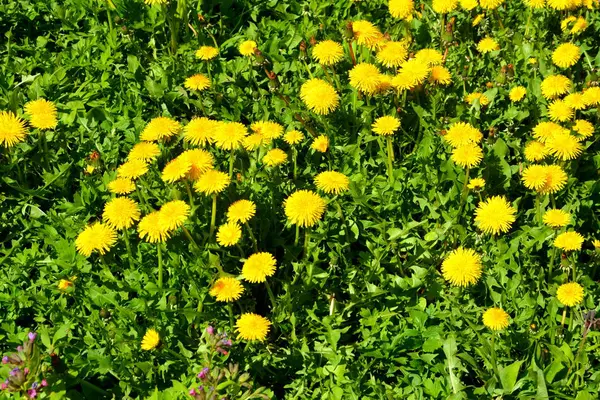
(508, 376)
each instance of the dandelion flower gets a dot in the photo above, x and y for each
(320, 144)
(591, 96)
(95, 237)
(560, 111)
(332, 182)
(160, 128)
(386, 125)
(241, 211)
(151, 229)
(253, 141)
(575, 101)
(462, 267)
(579, 26)
(293, 137)
(545, 130)
(200, 161)
(12, 129)
(556, 218)
(173, 214)
(468, 5)
(462, 133)
(367, 34)
(155, 2)
(304, 208)
(564, 146)
(414, 72)
(570, 294)
(229, 234)
(556, 179)
(151, 339)
(269, 130)
(64, 284)
(444, 6)
(535, 3)
(42, 114)
(176, 169)
(477, 20)
(495, 319)
(476, 184)
(132, 169)
(121, 186)
(477, 96)
(229, 135)
(495, 215)
(584, 128)
(200, 131)
(490, 4)
(258, 267)
(535, 151)
(319, 96)
(226, 289)
(517, 93)
(365, 78)
(212, 182)
(555, 85)
(468, 155)
(207, 53)
(197, 82)
(252, 326)
(392, 54)
(121, 213)
(275, 157)
(569, 241)
(566, 55)
(535, 177)
(145, 151)
(328, 52)
(247, 47)
(440, 75)
(401, 9)
(487, 45)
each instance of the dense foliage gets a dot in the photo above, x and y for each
(411, 279)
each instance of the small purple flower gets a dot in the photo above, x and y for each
(227, 343)
(203, 374)
(14, 371)
(32, 393)
(3, 385)
(210, 330)
(34, 385)
(26, 371)
(5, 360)
(201, 388)
(19, 348)
(32, 336)
(192, 392)
(44, 383)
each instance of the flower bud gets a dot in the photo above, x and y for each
(210, 330)
(32, 336)
(5, 360)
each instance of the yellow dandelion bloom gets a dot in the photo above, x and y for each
(121, 213)
(443, 6)
(517, 93)
(121, 186)
(173, 214)
(495, 319)
(535, 177)
(468, 155)
(583, 128)
(42, 114)
(462, 133)
(556, 179)
(462, 267)
(487, 45)
(64, 284)
(564, 146)
(392, 54)
(155, 2)
(401, 9)
(252, 326)
(95, 237)
(160, 128)
(477, 20)
(176, 169)
(268, 129)
(570, 294)
(207, 53)
(591, 96)
(430, 57)
(212, 182)
(477, 96)
(560, 111)
(386, 125)
(559, 4)
(253, 141)
(151, 229)
(145, 151)
(555, 85)
(414, 72)
(367, 34)
(569, 241)
(229, 234)
(258, 267)
(241, 211)
(556, 218)
(545, 130)
(12, 129)
(332, 182)
(319, 96)
(440, 75)
(304, 208)
(328, 52)
(132, 169)
(320, 144)
(495, 215)
(490, 4)
(476, 184)
(200, 131)
(579, 26)
(566, 55)
(151, 339)
(247, 47)
(468, 5)
(197, 82)
(293, 137)
(275, 157)
(535, 3)
(365, 78)
(229, 135)
(535, 151)
(200, 160)
(227, 289)
(575, 101)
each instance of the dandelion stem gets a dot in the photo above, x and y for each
(564, 316)
(271, 295)
(352, 56)
(442, 27)
(390, 159)
(297, 239)
(538, 208)
(129, 253)
(230, 308)
(202, 105)
(189, 192)
(231, 162)
(552, 200)
(463, 196)
(160, 266)
(190, 237)
(213, 217)
(327, 74)
(336, 79)
(339, 209)
(294, 156)
(494, 365)
(252, 237)
(306, 239)
(551, 265)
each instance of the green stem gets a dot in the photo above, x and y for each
(230, 308)
(552, 200)
(231, 161)
(297, 238)
(538, 208)
(494, 364)
(213, 217)
(294, 155)
(339, 209)
(160, 266)
(189, 192)
(252, 237)
(271, 295)
(129, 253)
(463, 196)
(109, 18)
(190, 237)
(306, 239)
(551, 266)
(390, 159)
